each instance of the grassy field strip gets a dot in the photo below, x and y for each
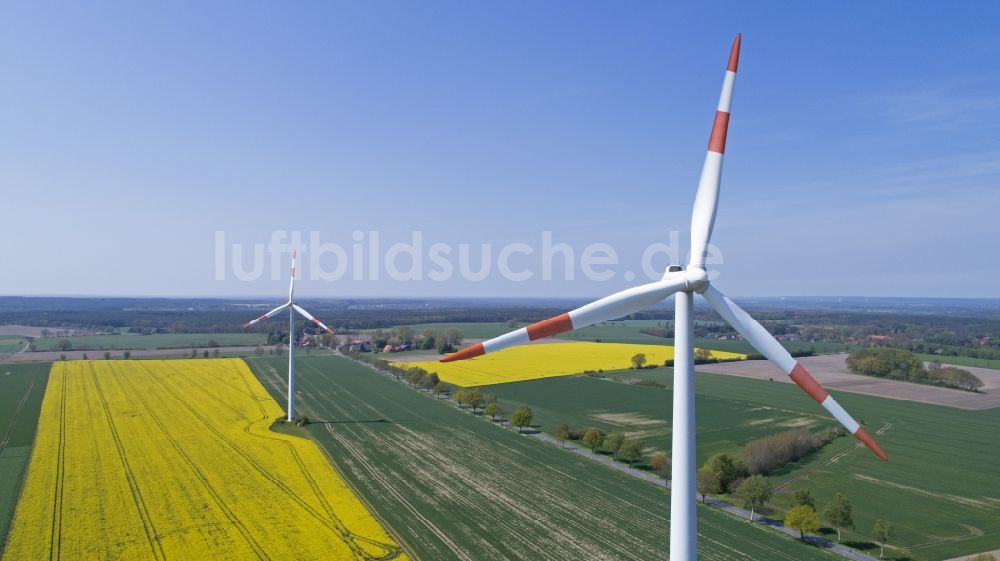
(21, 389)
(961, 360)
(17, 413)
(492, 494)
(186, 468)
(530, 362)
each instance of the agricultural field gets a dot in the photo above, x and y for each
(11, 344)
(544, 360)
(961, 360)
(175, 460)
(21, 389)
(450, 485)
(157, 341)
(938, 488)
(724, 424)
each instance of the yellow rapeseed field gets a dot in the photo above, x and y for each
(156, 460)
(544, 360)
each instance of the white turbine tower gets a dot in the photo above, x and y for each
(685, 283)
(292, 307)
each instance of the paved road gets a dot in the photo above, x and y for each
(652, 478)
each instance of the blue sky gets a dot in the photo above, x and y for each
(863, 154)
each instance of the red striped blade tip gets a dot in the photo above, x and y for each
(734, 54)
(466, 353)
(862, 435)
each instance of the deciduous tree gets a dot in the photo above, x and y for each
(707, 483)
(476, 400)
(521, 417)
(561, 433)
(593, 438)
(802, 518)
(881, 532)
(613, 443)
(727, 468)
(804, 497)
(631, 450)
(638, 360)
(754, 492)
(494, 410)
(839, 513)
(660, 464)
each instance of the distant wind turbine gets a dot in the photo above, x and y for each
(685, 283)
(292, 307)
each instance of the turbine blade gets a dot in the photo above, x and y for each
(309, 317)
(267, 315)
(768, 346)
(706, 201)
(291, 283)
(610, 307)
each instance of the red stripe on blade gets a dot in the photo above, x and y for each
(805, 381)
(262, 318)
(467, 352)
(734, 54)
(549, 327)
(717, 142)
(862, 435)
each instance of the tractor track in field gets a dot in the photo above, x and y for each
(333, 522)
(140, 502)
(776, 525)
(375, 474)
(500, 491)
(836, 457)
(55, 543)
(392, 551)
(17, 413)
(216, 498)
(493, 487)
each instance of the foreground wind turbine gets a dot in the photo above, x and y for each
(685, 283)
(292, 308)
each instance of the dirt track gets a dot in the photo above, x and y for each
(831, 371)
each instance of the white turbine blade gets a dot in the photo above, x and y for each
(309, 317)
(706, 201)
(291, 283)
(267, 315)
(610, 307)
(768, 346)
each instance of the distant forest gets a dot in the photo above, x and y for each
(964, 329)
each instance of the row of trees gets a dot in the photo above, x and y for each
(444, 340)
(724, 472)
(900, 364)
(617, 444)
(765, 455)
(839, 512)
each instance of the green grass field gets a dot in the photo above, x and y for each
(22, 387)
(11, 344)
(724, 424)
(451, 486)
(158, 341)
(938, 488)
(961, 361)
